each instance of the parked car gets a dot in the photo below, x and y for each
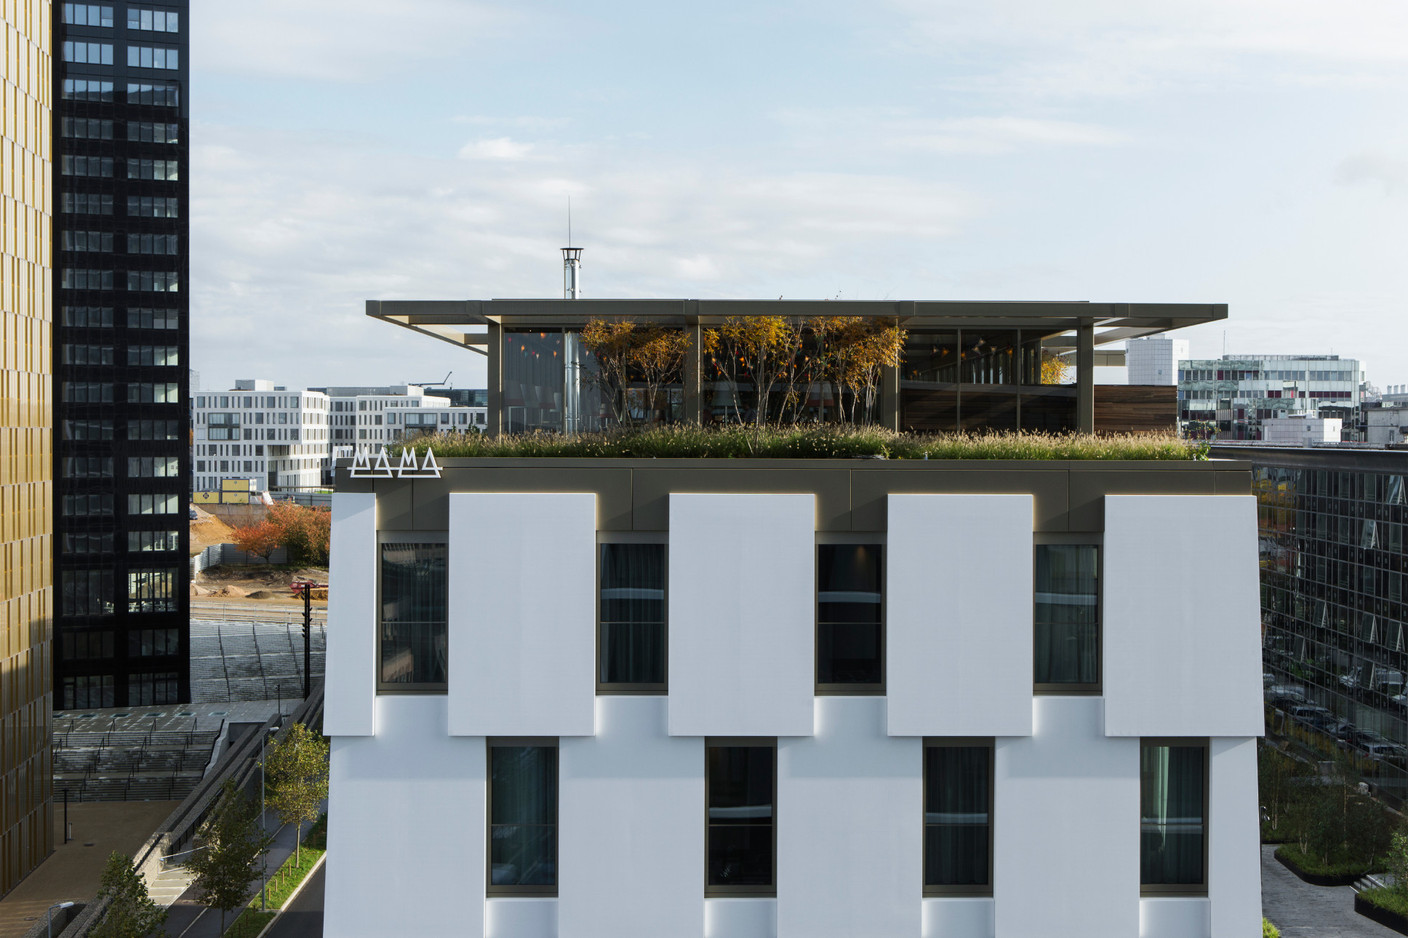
(1285, 696)
(1388, 752)
(1311, 716)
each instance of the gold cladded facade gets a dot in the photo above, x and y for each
(26, 442)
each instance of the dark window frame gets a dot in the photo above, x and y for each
(1086, 689)
(429, 538)
(714, 891)
(958, 742)
(1185, 742)
(848, 689)
(492, 890)
(618, 688)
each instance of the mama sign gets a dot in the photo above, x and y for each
(364, 467)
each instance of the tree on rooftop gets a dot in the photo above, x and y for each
(628, 352)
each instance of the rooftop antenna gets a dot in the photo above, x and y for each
(571, 263)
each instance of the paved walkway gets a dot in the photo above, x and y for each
(1301, 910)
(72, 871)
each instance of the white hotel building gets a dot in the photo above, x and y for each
(795, 698)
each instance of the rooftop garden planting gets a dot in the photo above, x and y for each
(827, 441)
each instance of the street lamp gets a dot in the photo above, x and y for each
(56, 905)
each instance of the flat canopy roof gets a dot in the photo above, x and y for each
(465, 322)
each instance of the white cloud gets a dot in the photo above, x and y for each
(339, 40)
(1113, 47)
(499, 148)
(1390, 172)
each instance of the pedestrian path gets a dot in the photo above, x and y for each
(1301, 910)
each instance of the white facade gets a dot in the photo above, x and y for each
(1387, 424)
(278, 438)
(1301, 431)
(1154, 359)
(364, 419)
(409, 835)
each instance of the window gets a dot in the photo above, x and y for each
(92, 317)
(147, 689)
(154, 21)
(153, 132)
(86, 430)
(88, 53)
(1067, 618)
(147, 206)
(1173, 786)
(148, 642)
(156, 355)
(151, 590)
(632, 634)
(849, 618)
(86, 240)
(88, 542)
(160, 93)
(85, 203)
(88, 14)
(75, 278)
(138, 541)
(414, 624)
(96, 504)
(151, 281)
(99, 166)
(152, 244)
(152, 467)
(522, 817)
(152, 504)
(87, 467)
(140, 318)
(86, 593)
(87, 392)
(153, 57)
(153, 430)
(82, 691)
(161, 170)
(86, 128)
(87, 89)
(740, 837)
(152, 393)
(95, 644)
(958, 799)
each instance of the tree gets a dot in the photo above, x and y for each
(260, 539)
(628, 352)
(305, 533)
(228, 844)
(297, 771)
(1053, 368)
(131, 913)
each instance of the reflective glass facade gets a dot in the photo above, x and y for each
(26, 438)
(1332, 525)
(121, 305)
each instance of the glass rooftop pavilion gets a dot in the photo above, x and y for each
(965, 365)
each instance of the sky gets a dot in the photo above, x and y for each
(1248, 152)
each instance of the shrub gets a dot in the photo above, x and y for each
(815, 441)
(1268, 930)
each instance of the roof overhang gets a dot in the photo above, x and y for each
(465, 322)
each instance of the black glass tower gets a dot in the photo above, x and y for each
(121, 354)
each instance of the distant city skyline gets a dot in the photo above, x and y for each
(1227, 152)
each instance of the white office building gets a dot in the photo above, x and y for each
(1154, 359)
(365, 419)
(257, 431)
(636, 698)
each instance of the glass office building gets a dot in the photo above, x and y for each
(122, 455)
(1332, 524)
